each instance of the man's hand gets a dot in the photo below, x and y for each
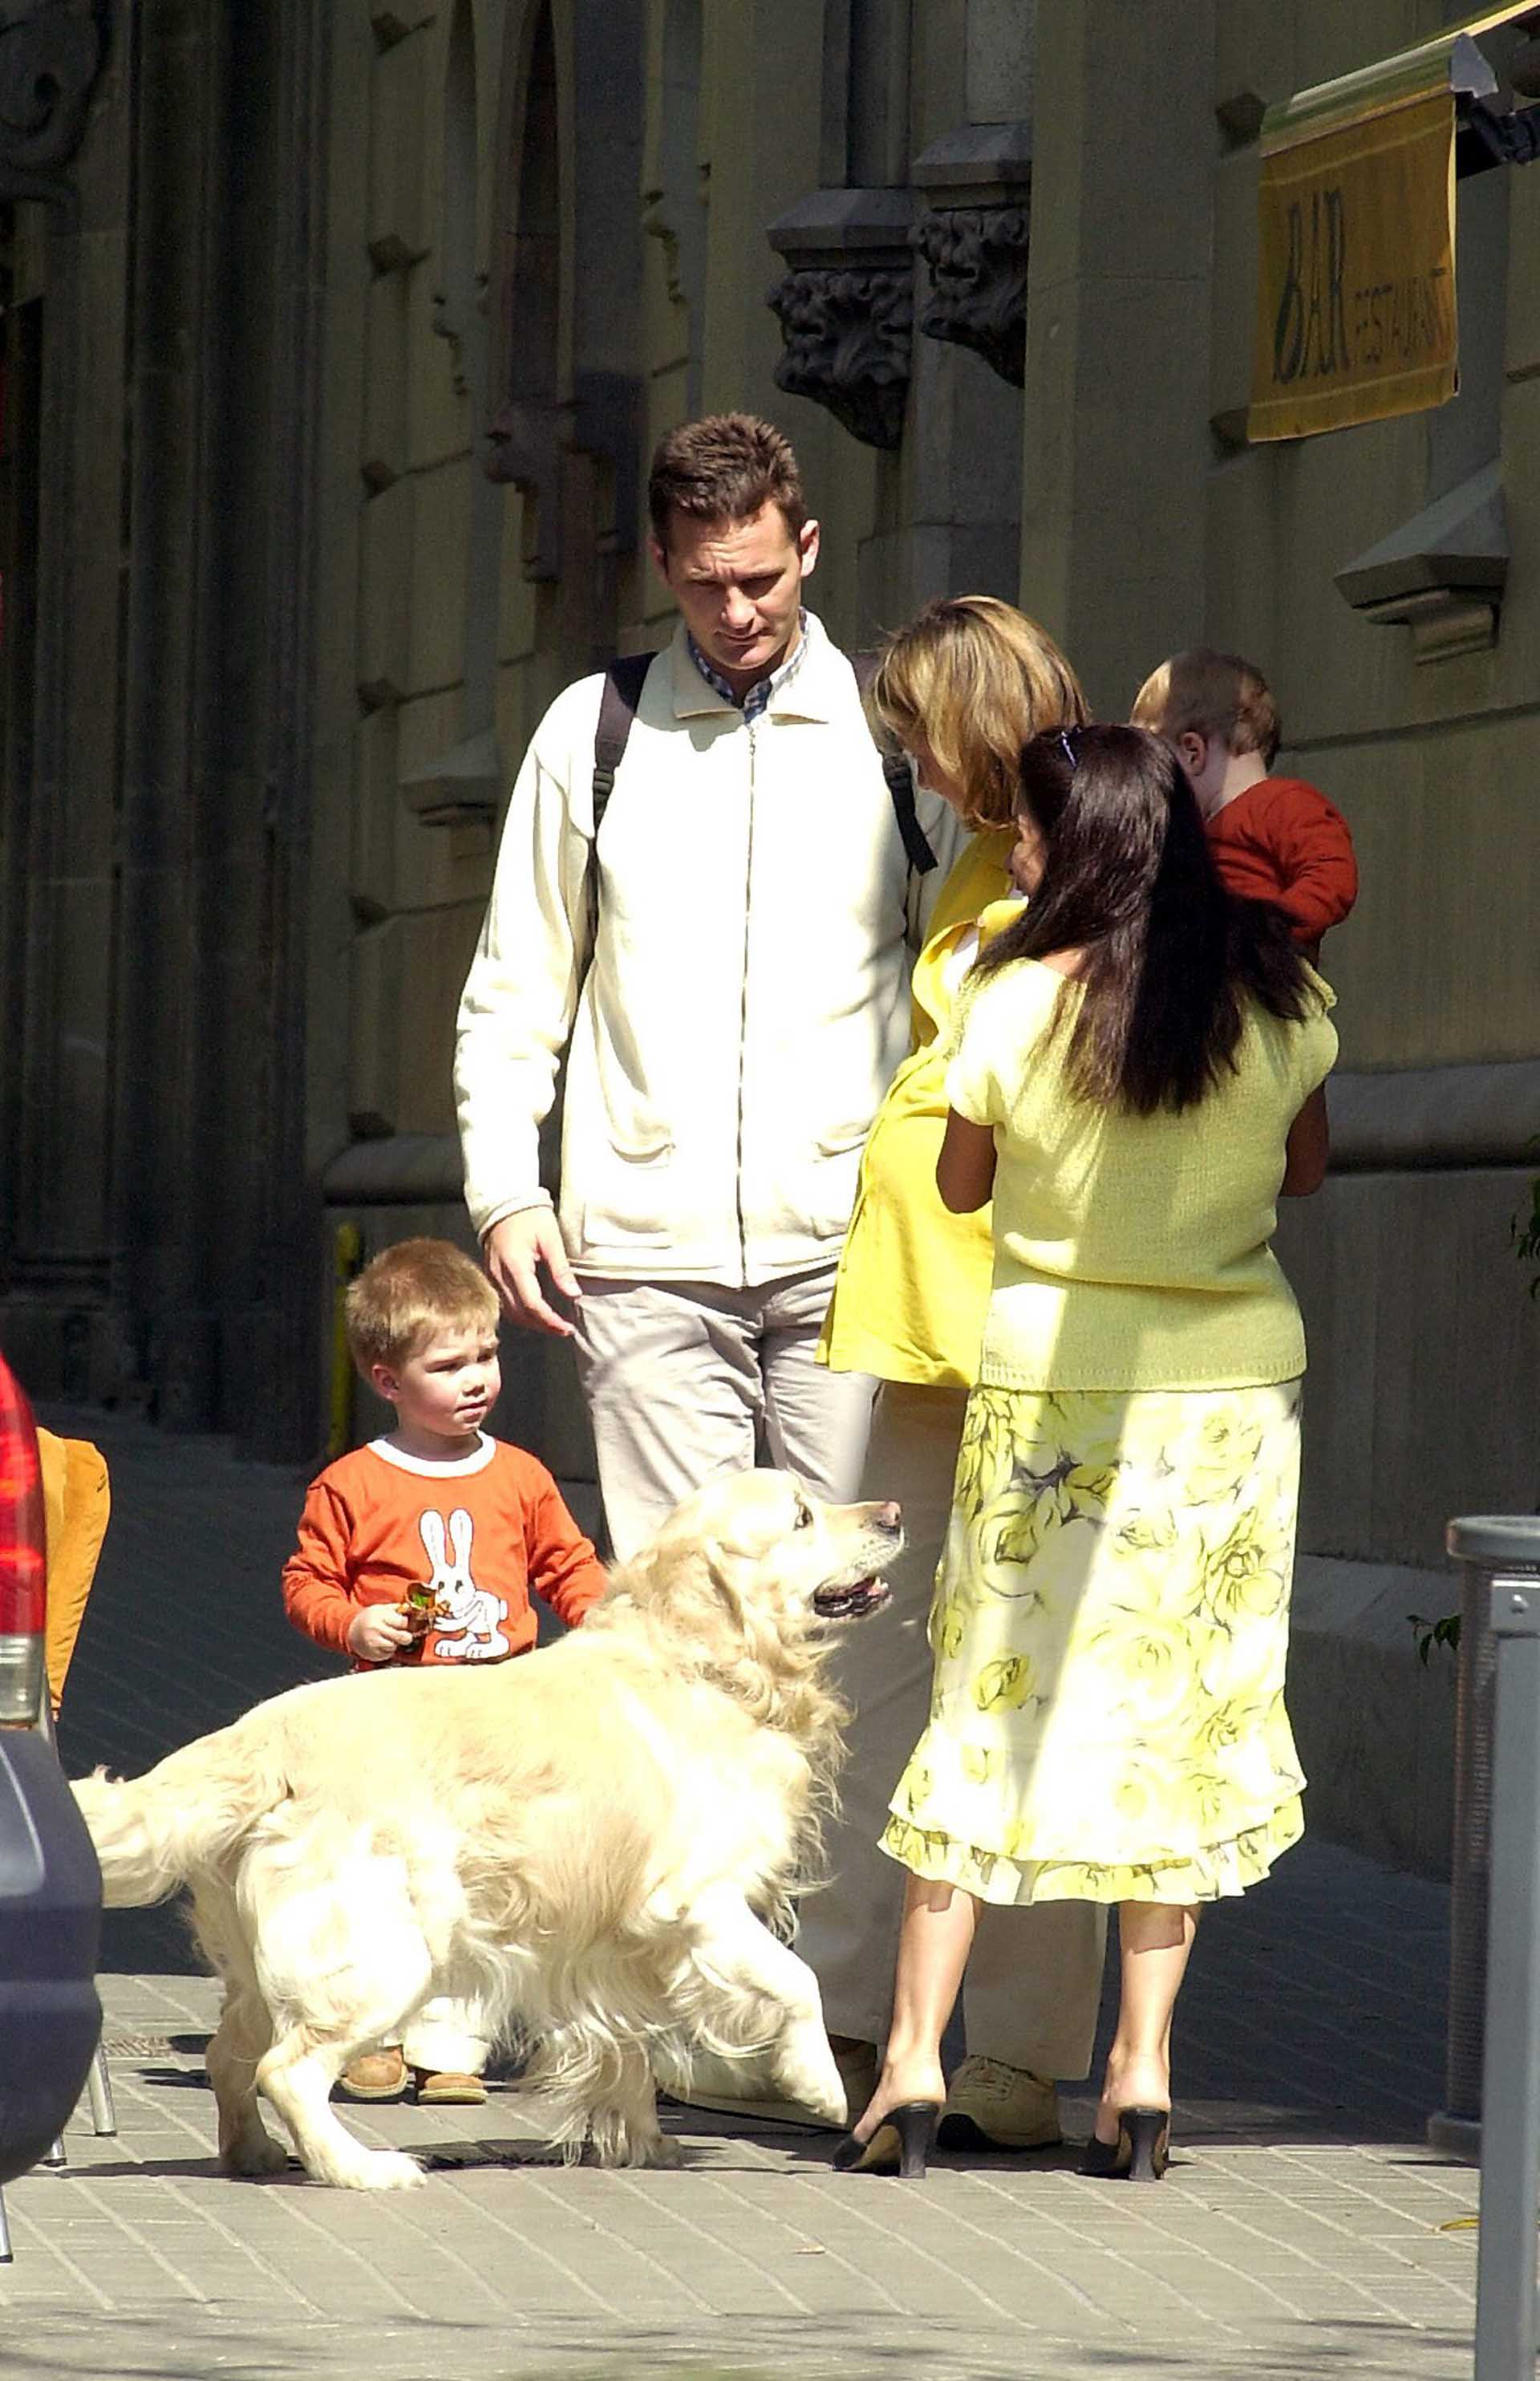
(513, 1251)
(378, 1632)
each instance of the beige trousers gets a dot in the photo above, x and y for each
(1034, 1981)
(684, 1380)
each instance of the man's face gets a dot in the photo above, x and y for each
(740, 587)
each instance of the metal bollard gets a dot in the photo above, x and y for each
(1506, 2311)
(1482, 1548)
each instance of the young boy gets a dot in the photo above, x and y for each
(1274, 839)
(424, 1546)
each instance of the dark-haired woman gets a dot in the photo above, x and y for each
(1138, 1075)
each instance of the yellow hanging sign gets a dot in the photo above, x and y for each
(1356, 303)
(1355, 316)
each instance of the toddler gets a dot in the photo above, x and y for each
(423, 1547)
(1274, 839)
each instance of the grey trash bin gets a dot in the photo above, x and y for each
(1487, 1546)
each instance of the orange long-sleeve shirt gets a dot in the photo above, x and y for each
(480, 1533)
(1282, 841)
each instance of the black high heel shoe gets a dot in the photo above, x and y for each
(1142, 2150)
(900, 2144)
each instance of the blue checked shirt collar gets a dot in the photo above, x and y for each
(754, 702)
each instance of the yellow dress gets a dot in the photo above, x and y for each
(1110, 1623)
(913, 1281)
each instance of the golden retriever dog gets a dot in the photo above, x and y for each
(586, 1843)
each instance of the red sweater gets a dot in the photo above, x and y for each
(1282, 841)
(481, 1532)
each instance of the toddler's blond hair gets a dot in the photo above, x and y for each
(411, 1293)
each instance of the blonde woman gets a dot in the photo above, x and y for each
(962, 689)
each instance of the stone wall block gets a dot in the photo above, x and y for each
(374, 1037)
(1425, 1359)
(383, 456)
(436, 948)
(376, 805)
(1329, 1247)
(441, 506)
(1521, 357)
(436, 866)
(398, 199)
(1233, 292)
(386, 594)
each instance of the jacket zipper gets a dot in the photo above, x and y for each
(743, 1015)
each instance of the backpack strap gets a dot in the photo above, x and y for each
(900, 784)
(624, 680)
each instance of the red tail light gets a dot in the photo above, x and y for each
(23, 1559)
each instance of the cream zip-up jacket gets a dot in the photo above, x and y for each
(732, 1031)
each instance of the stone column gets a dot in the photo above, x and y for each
(1117, 316)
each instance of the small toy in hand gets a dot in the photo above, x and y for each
(421, 1608)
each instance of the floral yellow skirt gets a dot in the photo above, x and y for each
(1110, 1626)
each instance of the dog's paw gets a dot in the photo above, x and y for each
(652, 2149)
(383, 2170)
(815, 2084)
(255, 2154)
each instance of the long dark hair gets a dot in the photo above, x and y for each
(1170, 956)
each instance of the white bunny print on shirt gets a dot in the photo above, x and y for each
(465, 1616)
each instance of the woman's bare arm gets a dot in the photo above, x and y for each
(1307, 1148)
(965, 1169)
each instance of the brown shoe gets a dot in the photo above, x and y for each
(374, 2075)
(447, 2091)
(992, 2107)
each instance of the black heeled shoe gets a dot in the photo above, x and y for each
(1142, 2150)
(900, 2144)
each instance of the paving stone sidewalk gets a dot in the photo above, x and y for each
(1304, 2228)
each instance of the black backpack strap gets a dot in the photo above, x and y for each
(622, 691)
(624, 680)
(900, 784)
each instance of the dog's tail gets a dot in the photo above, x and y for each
(157, 1832)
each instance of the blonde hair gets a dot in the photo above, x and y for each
(1201, 692)
(408, 1294)
(974, 679)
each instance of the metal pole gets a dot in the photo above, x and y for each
(1511, 2080)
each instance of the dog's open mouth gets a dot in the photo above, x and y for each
(848, 1599)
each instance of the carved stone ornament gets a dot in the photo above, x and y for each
(977, 185)
(978, 273)
(51, 52)
(847, 307)
(847, 334)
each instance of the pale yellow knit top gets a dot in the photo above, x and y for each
(1133, 1252)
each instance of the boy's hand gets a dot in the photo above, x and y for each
(513, 1251)
(378, 1632)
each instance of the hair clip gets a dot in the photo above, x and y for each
(1069, 747)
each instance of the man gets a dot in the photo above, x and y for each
(731, 982)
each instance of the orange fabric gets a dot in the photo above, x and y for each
(480, 1533)
(1282, 841)
(75, 1502)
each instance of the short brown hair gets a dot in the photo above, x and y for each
(975, 680)
(725, 468)
(1201, 692)
(409, 1292)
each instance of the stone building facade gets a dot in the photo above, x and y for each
(338, 334)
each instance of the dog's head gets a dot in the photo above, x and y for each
(785, 1552)
(774, 1557)
(745, 1576)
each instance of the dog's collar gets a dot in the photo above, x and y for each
(477, 1461)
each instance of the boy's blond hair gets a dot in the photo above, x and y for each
(974, 679)
(1201, 692)
(408, 1294)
